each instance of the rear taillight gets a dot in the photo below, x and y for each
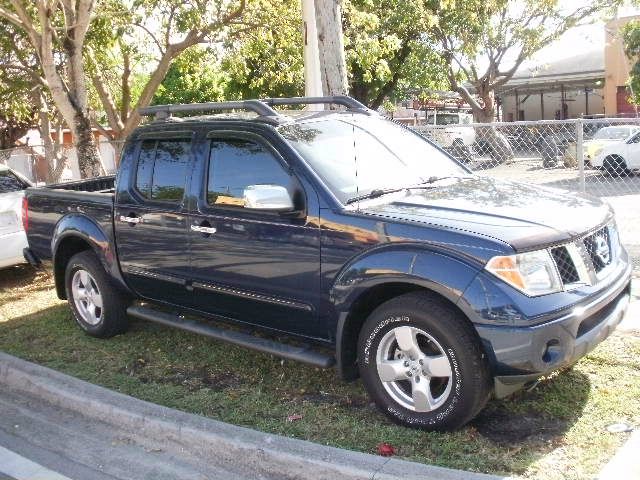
(25, 213)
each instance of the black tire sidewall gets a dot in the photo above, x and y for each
(463, 396)
(87, 261)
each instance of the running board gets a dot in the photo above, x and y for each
(299, 354)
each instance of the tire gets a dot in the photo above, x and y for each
(615, 166)
(98, 307)
(442, 335)
(460, 151)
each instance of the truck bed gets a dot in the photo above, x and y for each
(91, 198)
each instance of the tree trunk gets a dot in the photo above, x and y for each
(56, 159)
(126, 88)
(333, 68)
(89, 161)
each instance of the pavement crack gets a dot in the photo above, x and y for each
(377, 470)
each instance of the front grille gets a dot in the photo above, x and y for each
(566, 268)
(599, 248)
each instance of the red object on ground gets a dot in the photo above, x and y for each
(386, 450)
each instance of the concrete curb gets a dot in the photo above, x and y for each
(624, 463)
(261, 454)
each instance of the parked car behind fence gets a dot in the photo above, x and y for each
(545, 152)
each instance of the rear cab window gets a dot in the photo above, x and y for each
(162, 169)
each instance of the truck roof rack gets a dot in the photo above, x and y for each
(164, 111)
(344, 100)
(262, 107)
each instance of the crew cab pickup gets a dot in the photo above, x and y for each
(370, 247)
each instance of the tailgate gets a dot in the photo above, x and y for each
(11, 212)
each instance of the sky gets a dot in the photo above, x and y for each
(581, 39)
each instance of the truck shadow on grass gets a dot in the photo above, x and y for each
(192, 373)
(18, 282)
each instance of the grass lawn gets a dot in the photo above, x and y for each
(557, 431)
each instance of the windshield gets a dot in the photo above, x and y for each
(10, 182)
(443, 119)
(356, 154)
(613, 133)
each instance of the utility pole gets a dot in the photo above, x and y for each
(325, 67)
(312, 78)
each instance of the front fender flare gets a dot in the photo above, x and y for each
(432, 270)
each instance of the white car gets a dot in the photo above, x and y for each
(12, 235)
(459, 134)
(607, 136)
(619, 158)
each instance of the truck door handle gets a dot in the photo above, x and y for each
(203, 229)
(130, 220)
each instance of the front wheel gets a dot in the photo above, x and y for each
(422, 364)
(615, 166)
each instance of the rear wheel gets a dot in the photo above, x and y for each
(422, 364)
(98, 307)
(615, 166)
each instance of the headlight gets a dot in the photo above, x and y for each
(596, 151)
(533, 273)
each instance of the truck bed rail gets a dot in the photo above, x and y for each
(98, 184)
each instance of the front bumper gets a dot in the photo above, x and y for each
(520, 355)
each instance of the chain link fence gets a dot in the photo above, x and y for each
(32, 162)
(595, 156)
(600, 157)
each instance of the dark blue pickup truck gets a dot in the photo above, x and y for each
(370, 247)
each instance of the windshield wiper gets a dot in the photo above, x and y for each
(375, 193)
(378, 192)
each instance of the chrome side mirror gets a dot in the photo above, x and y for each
(272, 198)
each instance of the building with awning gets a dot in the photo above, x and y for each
(592, 83)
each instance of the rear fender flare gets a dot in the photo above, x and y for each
(80, 227)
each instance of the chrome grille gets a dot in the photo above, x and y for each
(599, 248)
(586, 261)
(566, 268)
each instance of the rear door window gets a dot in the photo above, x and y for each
(162, 169)
(10, 183)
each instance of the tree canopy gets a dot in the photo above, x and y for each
(483, 42)
(387, 53)
(631, 39)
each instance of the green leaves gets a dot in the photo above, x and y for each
(266, 60)
(631, 40)
(192, 78)
(389, 52)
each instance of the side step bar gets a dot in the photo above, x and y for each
(300, 354)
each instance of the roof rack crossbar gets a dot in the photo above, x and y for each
(164, 111)
(343, 100)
